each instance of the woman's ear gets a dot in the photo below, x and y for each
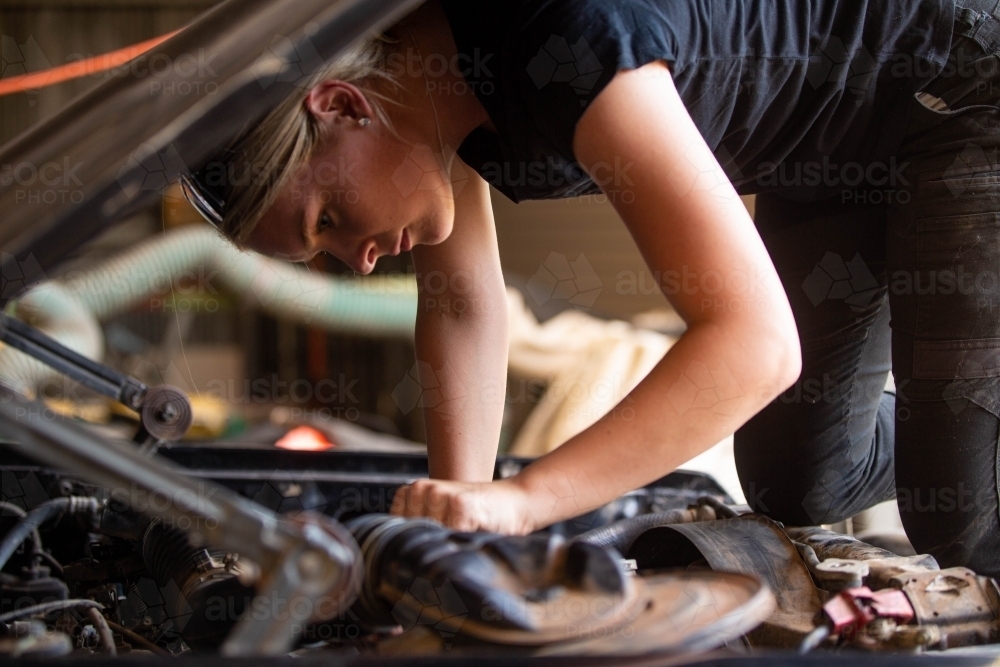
(337, 101)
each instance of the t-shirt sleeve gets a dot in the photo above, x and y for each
(569, 51)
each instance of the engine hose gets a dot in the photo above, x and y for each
(200, 580)
(385, 306)
(48, 607)
(722, 510)
(36, 517)
(69, 310)
(622, 534)
(138, 640)
(21, 514)
(103, 630)
(169, 555)
(54, 312)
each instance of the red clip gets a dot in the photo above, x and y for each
(852, 609)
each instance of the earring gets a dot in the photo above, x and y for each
(364, 122)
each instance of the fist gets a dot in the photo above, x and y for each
(495, 507)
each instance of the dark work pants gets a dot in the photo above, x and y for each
(928, 252)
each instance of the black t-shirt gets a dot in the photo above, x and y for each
(791, 95)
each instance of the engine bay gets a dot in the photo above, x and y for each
(262, 552)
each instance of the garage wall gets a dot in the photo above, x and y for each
(38, 34)
(538, 236)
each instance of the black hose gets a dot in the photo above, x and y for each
(36, 517)
(622, 534)
(29, 524)
(51, 560)
(46, 607)
(16, 510)
(722, 510)
(21, 514)
(35, 537)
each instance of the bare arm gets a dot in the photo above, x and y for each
(461, 341)
(740, 350)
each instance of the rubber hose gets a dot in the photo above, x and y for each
(169, 555)
(722, 510)
(385, 306)
(103, 630)
(54, 312)
(138, 640)
(69, 310)
(29, 524)
(36, 517)
(21, 514)
(622, 534)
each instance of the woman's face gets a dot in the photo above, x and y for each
(364, 194)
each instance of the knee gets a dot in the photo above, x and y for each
(955, 540)
(796, 495)
(783, 485)
(806, 483)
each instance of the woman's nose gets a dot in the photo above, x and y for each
(364, 262)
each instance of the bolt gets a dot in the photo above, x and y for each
(311, 565)
(168, 413)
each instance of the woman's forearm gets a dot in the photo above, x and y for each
(462, 368)
(704, 389)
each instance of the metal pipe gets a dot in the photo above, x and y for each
(47, 607)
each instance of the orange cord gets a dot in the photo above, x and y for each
(80, 68)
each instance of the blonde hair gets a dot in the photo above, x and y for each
(268, 155)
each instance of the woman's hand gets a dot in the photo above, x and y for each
(495, 507)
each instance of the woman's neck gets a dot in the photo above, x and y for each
(433, 102)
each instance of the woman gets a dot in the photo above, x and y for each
(869, 130)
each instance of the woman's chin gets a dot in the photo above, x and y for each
(435, 234)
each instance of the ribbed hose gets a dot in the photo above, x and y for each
(622, 534)
(51, 310)
(69, 311)
(169, 556)
(384, 306)
(36, 517)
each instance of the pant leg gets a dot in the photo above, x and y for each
(943, 260)
(823, 450)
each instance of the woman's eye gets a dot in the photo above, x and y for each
(324, 224)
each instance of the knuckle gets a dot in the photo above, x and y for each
(436, 498)
(461, 503)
